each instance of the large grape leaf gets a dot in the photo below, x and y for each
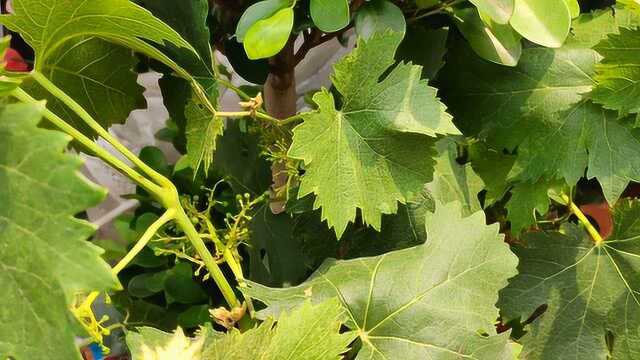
(591, 292)
(46, 24)
(376, 149)
(618, 74)
(539, 107)
(44, 258)
(98, 75)
(434, 301)
(308, 332)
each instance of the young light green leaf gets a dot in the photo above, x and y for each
(499, 11)
(376, 150)
(618, 74)
(545, 22)
(98, 75)
(591, 292)
(574, 8)
(492, 41)
(267, 37)
(44, 258)
(379, 16)
(46, 24)
(258, 11)
(307, 332)
(429, 301)
(330, 15)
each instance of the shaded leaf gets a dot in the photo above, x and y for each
(330, 15)
(98, 75)
(492, 41)
(589, 291)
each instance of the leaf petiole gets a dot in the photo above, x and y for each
(595, 235)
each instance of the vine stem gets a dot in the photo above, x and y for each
(144, 240)
(135, 250)
(163, 189)
(98, 151)
(95, 126)
(192, 234)
(440, 8)
(260, 115)
(593, 232)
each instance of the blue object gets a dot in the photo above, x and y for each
(96, 351)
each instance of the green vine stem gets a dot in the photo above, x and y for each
(593, 232)
(95, 126)
(164, 190)
(260, 115)
(89, 144)
(144, 240)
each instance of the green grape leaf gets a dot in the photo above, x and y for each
(494, 168)
(618, 74)
(591, 292)
(266, 37)
(526, 198)
(275, 248)
(538, 107)
(545, 22)
(379, 16)
(258, 11)
(98, 75)
(424, 47)
(202, 131)
(376, 150)
(189, 20)
(432, 301)
(508, 101)
(44, 258)
(330, 15)
(499, 11)
(453, 181)
(307, 332)
(492, 41)
(46, 24)
(591, 28)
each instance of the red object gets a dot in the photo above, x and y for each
(601, 214)
(14, 61)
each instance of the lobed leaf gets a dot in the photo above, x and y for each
(430, 301)
(376, 150)
(44, 258)
(591, 292)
